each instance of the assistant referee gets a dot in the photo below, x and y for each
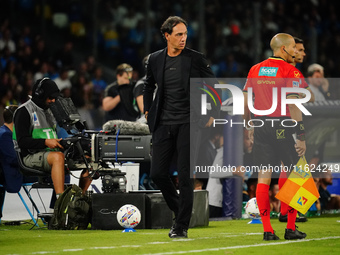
(273, 142)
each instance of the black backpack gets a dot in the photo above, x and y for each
(72, 210)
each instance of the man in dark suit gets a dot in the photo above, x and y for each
(169, 115)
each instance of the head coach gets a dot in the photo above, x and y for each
(169, 114)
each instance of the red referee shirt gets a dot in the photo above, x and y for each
(272, 73)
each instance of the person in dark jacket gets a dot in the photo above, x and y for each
(168, 117)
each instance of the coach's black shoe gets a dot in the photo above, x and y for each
(172, 229)
(294, 234)
(269, 236)
(283, 218)
(179, 233)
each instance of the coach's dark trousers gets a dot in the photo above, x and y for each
(166, 140)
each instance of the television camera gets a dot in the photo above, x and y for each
(99, 151)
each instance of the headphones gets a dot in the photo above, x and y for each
(39, 91)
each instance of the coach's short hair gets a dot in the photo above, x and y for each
(298, 40)
(170, 22)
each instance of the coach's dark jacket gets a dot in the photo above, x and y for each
(194, 65)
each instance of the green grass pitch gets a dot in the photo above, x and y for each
(221, 237)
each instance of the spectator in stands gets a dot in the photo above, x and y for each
(26, 35)
(13, 70)
(27, 87)
(91, 64)
(63, 82)
(64, 57)
(16, 89)
(81, 96)
(318, 83)
(6, 57)
(274, 202)
(317, 205)
(40, 52)
(251, 187)
(119, 11)
(53, 71)
(131, 20)
(82, 70)
(119, 99)
(26, 58)
(328, 201)
(81, 90)
(42, 73)
(98, 87)
(6, 41)
(111, 40)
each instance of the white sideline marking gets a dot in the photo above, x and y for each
(44, 252)
(244, 246)
(189, 251)
(158, 243)
(183, 240)
(103, 248)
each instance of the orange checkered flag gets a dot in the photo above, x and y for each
(299, 191)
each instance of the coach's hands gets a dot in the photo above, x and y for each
(300, 147)
(53, 143)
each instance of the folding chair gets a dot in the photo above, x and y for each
(24, 203)
(27, 171)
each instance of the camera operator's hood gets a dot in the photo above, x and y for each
(48, 89)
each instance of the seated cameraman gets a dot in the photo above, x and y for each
(35, 135)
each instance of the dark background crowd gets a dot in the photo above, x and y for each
(81, 42)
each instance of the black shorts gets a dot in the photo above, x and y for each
(274, 143)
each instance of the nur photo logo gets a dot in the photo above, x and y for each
(204, 98)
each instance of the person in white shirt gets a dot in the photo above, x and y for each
(63, 82)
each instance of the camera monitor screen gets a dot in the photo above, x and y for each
(65, 112)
